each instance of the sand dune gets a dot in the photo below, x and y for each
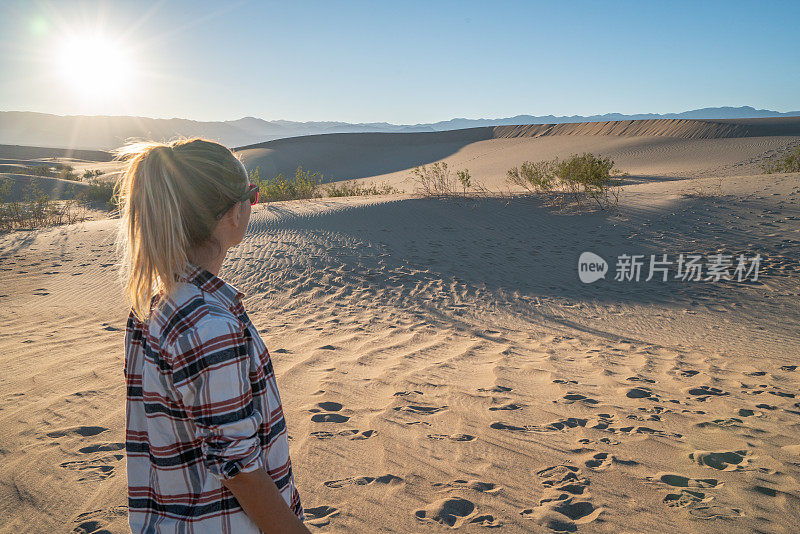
(43, 153)
(441, 365)
(658, 148)
(647, 148)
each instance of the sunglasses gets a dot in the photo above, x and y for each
(252, 194)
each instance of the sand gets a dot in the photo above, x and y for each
(441, 365)
(664, 148)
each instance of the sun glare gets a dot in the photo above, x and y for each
(95, 66)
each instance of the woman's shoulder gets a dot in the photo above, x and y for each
(186, 308)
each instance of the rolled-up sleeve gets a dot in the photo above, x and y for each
(210, 371)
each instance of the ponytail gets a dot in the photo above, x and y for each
(169, 195)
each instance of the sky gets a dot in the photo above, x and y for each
(403, 62)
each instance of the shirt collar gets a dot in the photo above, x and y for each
(211, 283)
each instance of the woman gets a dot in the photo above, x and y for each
(206, 441)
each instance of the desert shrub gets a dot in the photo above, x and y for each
(534, 175)
(350, 189)
(5, 190)
(435, 180)
(88, 174)
(579, 176)
(99, 192)
(588, 173)
(41, 170)
(789, 162)
(37, 209)
(303, 185)
(67, 173)
(5, 193)
(465, 179)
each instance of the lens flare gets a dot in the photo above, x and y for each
(94, 66)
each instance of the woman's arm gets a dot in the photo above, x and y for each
(263, 503)
(210, 366)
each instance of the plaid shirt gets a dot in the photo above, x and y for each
(202, 406)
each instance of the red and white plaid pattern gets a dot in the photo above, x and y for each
(202, 406)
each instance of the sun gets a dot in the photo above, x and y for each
(95, 66)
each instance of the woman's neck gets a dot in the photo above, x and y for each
(206, 260)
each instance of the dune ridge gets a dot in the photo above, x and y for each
(680, 128)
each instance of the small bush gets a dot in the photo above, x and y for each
(37, 210)
(789, 162)
(99, 192)
(5, 190)
(581, 176)
(435, 180)
(67, 173)
(303, 185)
(534, 175)
(41, 170)
(350, 189)
(88, 174)
(465, 179)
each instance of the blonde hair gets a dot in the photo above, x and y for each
(169, 196)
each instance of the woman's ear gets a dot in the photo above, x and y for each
(237, 215)
(233, 216)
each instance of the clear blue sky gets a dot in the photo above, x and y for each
(403, 62)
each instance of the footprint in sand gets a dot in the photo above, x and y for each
(422, 410)
(94, 469)
(577, 397)
(94, 522)
(565, 503)
(714, 511)
(84, 431)
(509, 406)
(679, 481)
(704, 392)
(640, 379)
(730, 422)
(452, 512)
(721, 461)
(406, 393)
(364, 481)
(556, 426)
(324, 413)
(477, 485)
(452, 437)
(350, 433)
(641, 393)
(102, 447)
(90, 527)
(599, 461)
(685, 498)
(320, 516)
(648, 430)
(496, 389)
(604, 441)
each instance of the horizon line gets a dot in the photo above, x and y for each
(791, 112)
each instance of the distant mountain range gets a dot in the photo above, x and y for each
(103, 132)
